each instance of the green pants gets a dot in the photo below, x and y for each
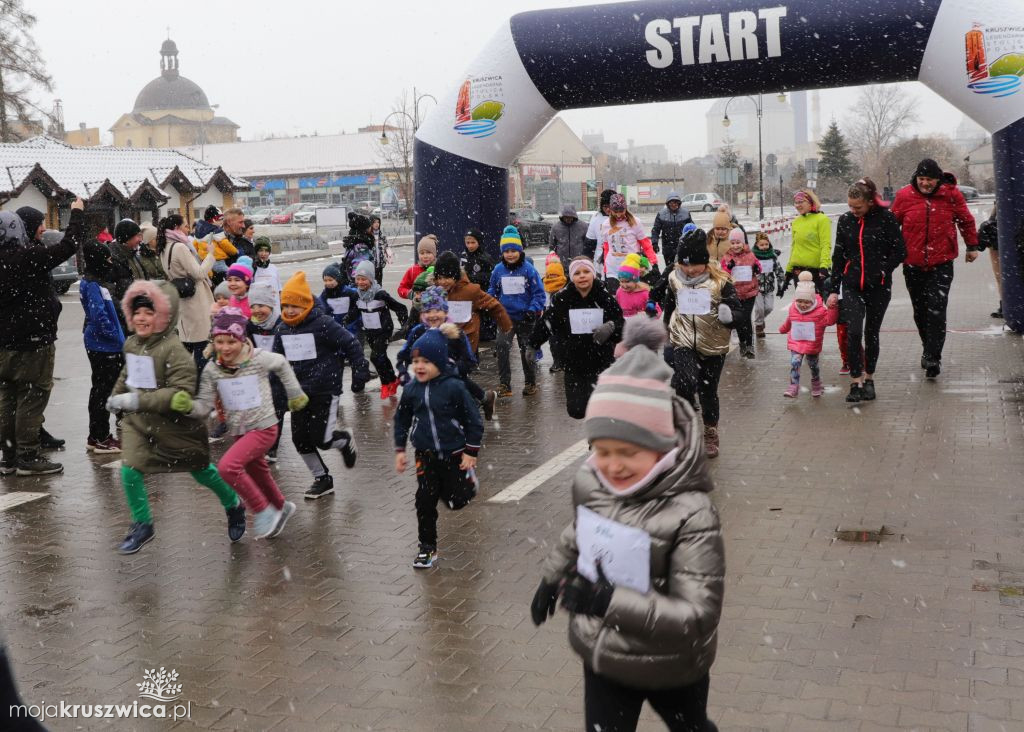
(26, 379)
(138, 502)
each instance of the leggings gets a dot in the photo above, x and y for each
(742, 324)
(314, 427)
(864, 311)
(244, 467)
(378, 341)
(138, 502)
(796, 360)
(578, 388)
(612, 707)
(106, 367)
(696, 379)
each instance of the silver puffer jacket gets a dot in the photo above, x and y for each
(667, 637)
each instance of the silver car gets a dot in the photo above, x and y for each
(706, 202)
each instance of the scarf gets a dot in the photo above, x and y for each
(660, 467)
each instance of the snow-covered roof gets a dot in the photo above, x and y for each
(295, 155)
(83, 171)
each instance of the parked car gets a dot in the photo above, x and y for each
(263, 215)
(285, 216)
(305, 215)
(533, 229)
(66, 274)
(970, 192)
(706, 202)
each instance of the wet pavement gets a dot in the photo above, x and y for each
(875, 563)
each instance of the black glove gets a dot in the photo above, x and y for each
(545, 602)
(583, 597)
(731, 263)
(654, 246)
(823, 273)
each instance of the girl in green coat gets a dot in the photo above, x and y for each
(155, 438)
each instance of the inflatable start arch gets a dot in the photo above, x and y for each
(971, 52)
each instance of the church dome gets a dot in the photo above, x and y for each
(170, 90)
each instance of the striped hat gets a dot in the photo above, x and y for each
(510, 239)
(633, 403)
(634, 267)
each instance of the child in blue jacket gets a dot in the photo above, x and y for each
(446, 433)
(337, 300)
(517, 285)
(104, 341)
(373, 304)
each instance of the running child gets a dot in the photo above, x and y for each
(426, 253)
(154, 437)
(446, 435)
(516, 284)
(587, 321)
(239, 279)
(699, 304)
(554, 280)
(771, 278)
(468, 302)
(266, 271)
(651, 636)
(622, 235)
(337, 299)
(806, 322)
(316, 347)
(221, 297)
(239, 376)
(373, 304)
(478, 266)
(634, 293)
(262, 328)
(741, 264)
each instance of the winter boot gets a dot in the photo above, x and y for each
(817, 388)
(791, 391)
(711, 442)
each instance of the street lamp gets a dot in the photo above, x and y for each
(759, 106)
(415, 119)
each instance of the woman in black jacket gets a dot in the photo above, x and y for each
(869, 246)
(588, 322)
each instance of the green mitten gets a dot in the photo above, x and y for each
(298, 403)
(182, 402)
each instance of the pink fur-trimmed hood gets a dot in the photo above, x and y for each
(165, 302)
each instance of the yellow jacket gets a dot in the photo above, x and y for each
(222, 249)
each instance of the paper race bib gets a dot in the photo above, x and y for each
(338, 305)
(371, 320)
(264, 341)
(585, 320)
(613, 263)
(239, 394)
(140, 371)
(803, 331)
(513, 285)
(301, 347)
(693, 302)
(624, 551)
(460, 311)
(743, 273)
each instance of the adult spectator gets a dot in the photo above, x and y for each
(869, 247)
(126, 266)
(988, 238)
(930, 211)
(247, 241)
(30, 309)
(211, 223)
(568, 236)
(597, 221)
(668, 227)
(148, 259)
(181, 262)
(233, 223)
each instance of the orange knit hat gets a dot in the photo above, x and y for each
(296, 292)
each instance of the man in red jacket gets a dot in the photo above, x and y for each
(930, 210)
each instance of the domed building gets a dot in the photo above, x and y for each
(172, 111)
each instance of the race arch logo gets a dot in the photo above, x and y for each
(160, 685)
(480, 119)
(1001, 77)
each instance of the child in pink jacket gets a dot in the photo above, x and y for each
(633, 294)
(806, 322)
(744, 268)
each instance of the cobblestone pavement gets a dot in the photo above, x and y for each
(917, 626)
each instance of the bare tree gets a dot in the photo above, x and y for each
(877, 121)
(395, 146)
(21, 67)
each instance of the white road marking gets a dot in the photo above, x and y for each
(113, 465)
(522, 487)
(16, 498)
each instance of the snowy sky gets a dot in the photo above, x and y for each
(329, 67)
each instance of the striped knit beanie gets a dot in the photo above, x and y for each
(510, 239)
(434, 298)
(633, 403)
(634, 267)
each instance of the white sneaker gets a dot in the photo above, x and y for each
(286, 512)
(264, 522)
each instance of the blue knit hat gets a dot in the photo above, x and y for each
(688, 228)
(434, 298)
(333, 270)
(510, 239)
(433, 346)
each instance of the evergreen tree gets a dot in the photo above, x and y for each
(727, 158)
(834, 155)
(20, 67)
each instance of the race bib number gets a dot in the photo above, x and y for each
(265, 342)
(371, 320)
(239, 394)
(460, 312)
(743, 273)
(300, 347)
(694, 302)
(140, 371)
(623, 551)
(338, 305)
(513, 285)
(803, 331)
(585, 320)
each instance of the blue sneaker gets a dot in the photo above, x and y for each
(140, 535)
(539, 354)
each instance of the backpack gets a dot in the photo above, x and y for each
(357, 251)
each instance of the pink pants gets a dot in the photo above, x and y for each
(244, 467)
